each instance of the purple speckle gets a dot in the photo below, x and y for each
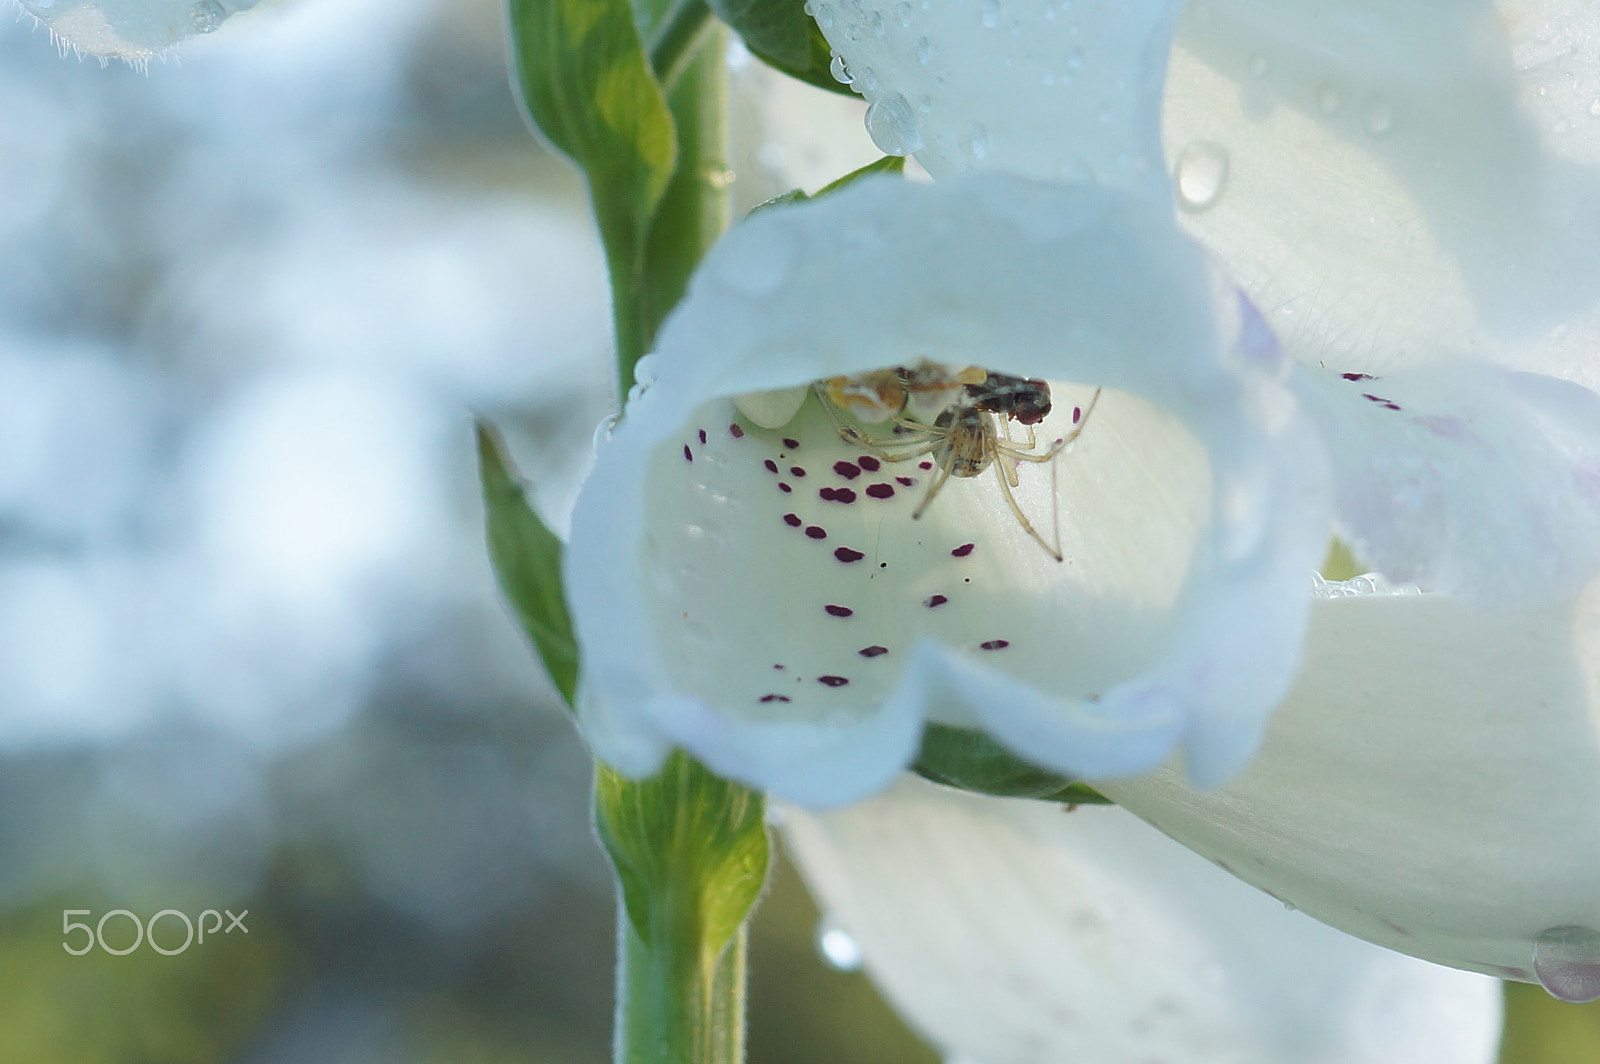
(880, 491)
(797, 471)
(839, 611)
(833, 681)
(816, 532)
(772, 467)
(791, 443)
(688, 455)
(872, 651)
(995, 644)
(1387, 404)
(1358, 376)
(1077, 414)
(904, 482)
(848, 470)
(792, 520)
(825, 494)
(778, 667)
(776, 698)
(736, 432)
(935, 601)
(837, 495)
(846, 555)
(869, 463)
(702, 436)
(963, 550)
(786, 489)
(924, 465)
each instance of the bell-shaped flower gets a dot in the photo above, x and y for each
(1090, 937)
(1409, 192)
(790, 592)
(135, 30)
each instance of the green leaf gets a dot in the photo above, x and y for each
(782, 35)
(690, 850)
(889, 164)
(1541, 1030)
(587, 85)
(971, 761)
(526, 557)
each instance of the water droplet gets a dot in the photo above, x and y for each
(877, 24)
(1075, 58)
(837, 947)
(977, 141)
(868, 79)
(824, 16)
(924, 103)
(892, 126)
(208, 15)
(1200, 174)
(1594, 107)
(924, 50)
(1258, 66)
(1566, 961)
(1379, 118)
(1562, 127)
(902, 12)
(990, 13)
(1328, 99)
(840, 72)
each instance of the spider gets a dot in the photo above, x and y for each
(967, 436)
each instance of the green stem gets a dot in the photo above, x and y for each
(673, 41)
(675, 1004)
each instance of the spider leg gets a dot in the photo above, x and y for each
(1022, 519)
(933, 489)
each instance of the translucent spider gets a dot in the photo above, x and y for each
(970, 434)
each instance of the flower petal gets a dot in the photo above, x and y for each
(790, 606)
(1431, 784)
(1010, 932)
(131, 29)
(1390, 191)
(1465, 478)
(1031, 87)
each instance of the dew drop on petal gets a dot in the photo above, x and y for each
(892, 125)
(1566, 961)
(977, 141)
(824, 16)
(1200, 174)
(990, 13)
(1378, 118)
(1594, 107)
(902, 11)
(208, 15)
(837, 947)
(840, 72)
(924, 50)
(1328, 100)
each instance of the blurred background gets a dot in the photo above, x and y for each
(251, 655)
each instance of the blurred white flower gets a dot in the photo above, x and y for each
(134, 30)
(1408, 192)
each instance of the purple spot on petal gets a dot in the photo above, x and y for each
(880, 491)
(846, 555)
(872, 651)
(1077, 414)
(844, 495)
(833, 681)
(792, 520)
(797, 471)
(995, 644)
(736, 432)
(772, 467)
(904, 482)
(924, 465)
(869, 463)
(688, 455)
(839, 611)
(825, 494)
(791, 443)
(786, 489)
(702, 436)
(779, 667)
(1358, 376)
(776, 698)
(963, 550)
(935, 601)
(816, 532)
(848, 470)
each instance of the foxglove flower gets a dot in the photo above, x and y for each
(134, 30)
(761, 591)
(1409, 193)
(1090, 937)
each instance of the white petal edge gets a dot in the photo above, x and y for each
(1431, 783)
(1061, 92)
(1012, 933)
(1077, 284)
(135, 30)
(1465, 478)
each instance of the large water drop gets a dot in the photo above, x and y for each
(840, 72)
(208, 16)
(1566, 960)
(1378, 118)
(837, 947)
(892, 125)
(1200, 174)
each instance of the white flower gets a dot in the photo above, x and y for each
(1090, 937)
(134, 30)
(765, 598)
(1409, 192)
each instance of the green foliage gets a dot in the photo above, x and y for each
(690, 850)
(526, 557)
(889, 164)
(782, 35)
(1541, 1030)
(971, 761)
